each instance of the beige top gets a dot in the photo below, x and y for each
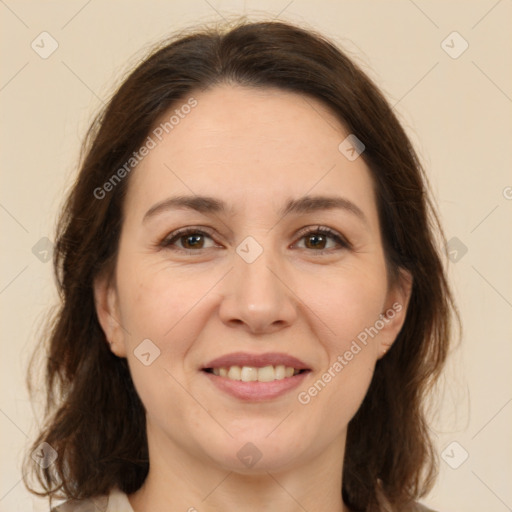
(117, 501)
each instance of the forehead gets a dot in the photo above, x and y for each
(249, 146)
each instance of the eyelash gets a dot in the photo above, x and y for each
(180, 233)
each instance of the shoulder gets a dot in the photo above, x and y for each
(88, 505)
(418, 507)
(116, 501)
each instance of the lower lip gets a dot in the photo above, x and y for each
(256, 391)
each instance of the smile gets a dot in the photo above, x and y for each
(252, 373)
(255, 377)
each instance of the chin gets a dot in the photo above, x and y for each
(254, 450)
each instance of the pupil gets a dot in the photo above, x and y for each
(316, 237)
(191, 237)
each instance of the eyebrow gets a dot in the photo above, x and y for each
(207, 204)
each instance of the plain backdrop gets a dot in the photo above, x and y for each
(445, 66)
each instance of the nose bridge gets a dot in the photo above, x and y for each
(257, 282)
(256, 294)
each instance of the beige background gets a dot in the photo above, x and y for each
(456, 110)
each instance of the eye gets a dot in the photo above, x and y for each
(190, 238)
(318, 236)
(193, 239)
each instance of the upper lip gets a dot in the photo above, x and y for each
(257, 360)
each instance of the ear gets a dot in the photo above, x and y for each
(107, 309)
(395, 310)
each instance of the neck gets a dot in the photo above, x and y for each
(179, 481)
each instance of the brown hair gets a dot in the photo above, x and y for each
(100, 436)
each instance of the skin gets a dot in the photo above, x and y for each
(254, 149)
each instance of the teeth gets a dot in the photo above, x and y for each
(249, 374)
(266, 374)
(252, 374)
(280, 371)
(235, 373)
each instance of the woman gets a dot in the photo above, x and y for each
(253, 303)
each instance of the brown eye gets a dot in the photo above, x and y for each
(189, 240)
(192, 241)
(317, 238)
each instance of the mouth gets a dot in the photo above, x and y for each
(267, 373)
(256, 378)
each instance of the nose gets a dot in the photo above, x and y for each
(257, 296)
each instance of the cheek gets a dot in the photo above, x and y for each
(161, 309)
(170, 308)
(344, 302)
(346, 311)
(157, 302)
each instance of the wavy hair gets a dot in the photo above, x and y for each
(100, 436)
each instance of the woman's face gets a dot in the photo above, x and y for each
(253, 283)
